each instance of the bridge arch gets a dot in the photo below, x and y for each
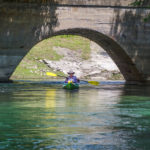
(114, 50)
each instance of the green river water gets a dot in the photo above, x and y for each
(43, 116)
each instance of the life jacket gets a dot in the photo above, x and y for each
(72, 79)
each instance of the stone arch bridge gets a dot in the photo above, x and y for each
(114, 25)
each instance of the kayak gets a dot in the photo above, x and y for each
(71, 86)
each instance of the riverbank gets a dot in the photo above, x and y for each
(62, 53)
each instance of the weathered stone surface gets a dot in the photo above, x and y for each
(7, 66)
(119, 30)
(76, 2)
(72, 60)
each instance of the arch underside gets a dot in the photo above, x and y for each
(115, 51)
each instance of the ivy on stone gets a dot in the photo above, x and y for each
(141, 3)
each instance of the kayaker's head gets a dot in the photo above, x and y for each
(71, 73)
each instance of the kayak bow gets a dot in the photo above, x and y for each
(71, 86)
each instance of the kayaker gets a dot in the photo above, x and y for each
(71, 77)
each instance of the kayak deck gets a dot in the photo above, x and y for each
(70, 86)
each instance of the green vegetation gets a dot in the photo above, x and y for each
(32, 66)
(140, 3)
(137, 3)
(116, 76)
(74, 43)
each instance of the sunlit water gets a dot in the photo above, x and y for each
(45, 116)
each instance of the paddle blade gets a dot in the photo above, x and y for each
(51, 74)
(93, 82)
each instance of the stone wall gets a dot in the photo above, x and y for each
(76, 2)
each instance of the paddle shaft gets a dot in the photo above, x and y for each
(66, 77)
(90, 82)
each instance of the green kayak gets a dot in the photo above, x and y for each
(70, 86)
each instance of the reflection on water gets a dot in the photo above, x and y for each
(45, 116)
(50, 98)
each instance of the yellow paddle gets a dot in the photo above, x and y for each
(55, 75)
(51, 74)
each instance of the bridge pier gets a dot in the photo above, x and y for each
(7, 66)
